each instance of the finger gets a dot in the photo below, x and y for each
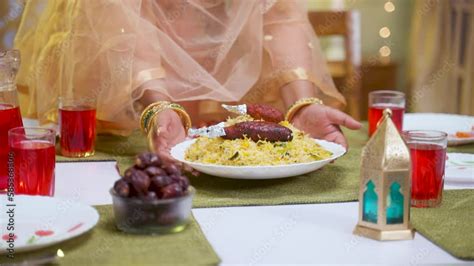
(342, 119)
(166, 157)
(162, 142)
(163, 149)
(337, 137)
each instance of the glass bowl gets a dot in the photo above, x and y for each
(161, 216)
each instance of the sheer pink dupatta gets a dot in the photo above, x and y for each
(198, 52)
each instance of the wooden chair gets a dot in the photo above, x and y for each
(346, 73)
(461, 48)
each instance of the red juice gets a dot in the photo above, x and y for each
(77, 131)
(34, 162)
(376, 113)
(10, 117)
(428, 162)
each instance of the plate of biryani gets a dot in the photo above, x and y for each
(252, 147)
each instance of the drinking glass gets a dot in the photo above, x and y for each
(32, 152)
(379, 101)
(78, 127)
(428, 157)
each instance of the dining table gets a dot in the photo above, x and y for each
(281, 234)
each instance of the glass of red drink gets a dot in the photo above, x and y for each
(78, 127)
(379, 101)
(428, 157)
(32, 152)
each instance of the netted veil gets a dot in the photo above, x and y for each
(111, 51)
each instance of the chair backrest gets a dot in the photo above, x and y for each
(461, 47)
(347, 25)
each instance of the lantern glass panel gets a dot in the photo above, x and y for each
(370, 203)
(395, 205)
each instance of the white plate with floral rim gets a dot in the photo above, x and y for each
(449, 123)
(40, 221)
(261, 171)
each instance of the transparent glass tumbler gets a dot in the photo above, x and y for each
(78, 127)
(379, 101)
(428, 157)
(33, 158)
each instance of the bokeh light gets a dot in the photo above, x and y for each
(384, 32)
(385, 51)
(389, 6)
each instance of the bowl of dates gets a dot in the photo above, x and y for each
(152, 197)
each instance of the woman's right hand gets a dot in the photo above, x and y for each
(168, 130)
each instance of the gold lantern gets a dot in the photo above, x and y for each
(385, 181)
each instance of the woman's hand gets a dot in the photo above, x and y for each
(168, 131)
(324, 122)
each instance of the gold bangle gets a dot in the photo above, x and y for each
(150, 137)
(185, 118)
(149, 112)
(295, 107)
(154, 109)
(282, 78)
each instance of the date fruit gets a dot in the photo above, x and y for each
(147, 159)
(122, 188)
(140, 181)
(172, 191)
(150, 178)
(160, 181)
(154, 171)
(172, 169)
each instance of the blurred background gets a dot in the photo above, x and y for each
(424, 48)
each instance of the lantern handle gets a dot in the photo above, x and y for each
(387, 112)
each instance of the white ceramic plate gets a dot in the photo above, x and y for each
(259, 172)
(460, 168)
(34, 123)
(448, 123)
(44, 221)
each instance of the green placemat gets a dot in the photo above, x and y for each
(462, 149)
(105, 245)
(450, 226)
(112, 148)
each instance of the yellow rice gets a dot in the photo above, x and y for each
(240, 152)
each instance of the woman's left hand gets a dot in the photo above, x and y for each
(323, 122)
